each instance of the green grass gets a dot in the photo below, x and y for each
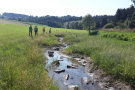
(22, 60)
(21, 57)
(120, 35)
(115, 57)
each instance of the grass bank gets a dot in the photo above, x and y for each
(115, 57)
(120, 35)
(22, 60)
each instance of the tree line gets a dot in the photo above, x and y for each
(124, 18)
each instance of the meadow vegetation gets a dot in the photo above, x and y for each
(115, 57)
(22, 60)
(22, 63)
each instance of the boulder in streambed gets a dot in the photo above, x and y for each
(50, 53)
(57, 49)
(60, 60)
(72, 66)
(82, 57)
(59, 71)
(72, 87)
(56, 63)
(84, 62)
(66, 76)
(86, 80)
(78, 59)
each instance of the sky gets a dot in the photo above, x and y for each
(63, 7)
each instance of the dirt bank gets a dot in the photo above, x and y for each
(107, 82)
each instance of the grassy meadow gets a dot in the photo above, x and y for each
(114, 56)
(22, 60)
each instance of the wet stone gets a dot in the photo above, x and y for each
(66, 76)
(57, 49)
(84, 62)
(78, 59)
(57, 63)
(60, 60)
(51, 53)
(62, 57)
(59, 71)
(73, 87)
(82, 57)
(86, 80)
(72, 66)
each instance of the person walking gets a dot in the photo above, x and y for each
(36, 30)
(43, 29)
(50, 30)
(30, 30)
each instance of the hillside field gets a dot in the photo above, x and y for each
(22, 60)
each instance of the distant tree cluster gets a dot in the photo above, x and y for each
(124, 18)
(101, 21)
(73, 25)
(52, 21)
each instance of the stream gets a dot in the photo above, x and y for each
(75, 74)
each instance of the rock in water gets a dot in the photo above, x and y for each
(57, 49)
(50, 54)
(84, 62)
(72, 87)
(86, 80)
(72, 66)
(59, 71)
(56, 63)
(66, 76)
(60, 60)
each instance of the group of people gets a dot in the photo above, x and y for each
(36, 30)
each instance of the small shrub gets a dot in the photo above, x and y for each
(109, 25)
(117, 27)
(94, 32)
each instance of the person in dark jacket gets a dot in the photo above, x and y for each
(30, 30)
(36, 30)
(50, 30)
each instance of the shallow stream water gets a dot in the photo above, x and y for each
(75, 75)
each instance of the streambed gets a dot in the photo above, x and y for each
(75, 75)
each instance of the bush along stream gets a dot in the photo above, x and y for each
(68, 72)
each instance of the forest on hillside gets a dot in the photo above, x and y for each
(124, 18)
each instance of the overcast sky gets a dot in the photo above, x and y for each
(63, 7)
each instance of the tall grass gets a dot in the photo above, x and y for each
(22, 60)
(120, 35)
(115, 57)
